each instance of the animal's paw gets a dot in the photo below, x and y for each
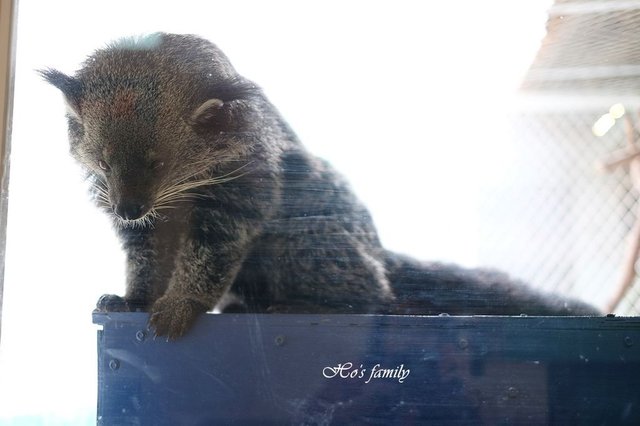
(112, 303)
(173, 316)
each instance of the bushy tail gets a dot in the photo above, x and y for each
(426, 288)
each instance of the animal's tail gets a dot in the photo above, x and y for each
(425, 288)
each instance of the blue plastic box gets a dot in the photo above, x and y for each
(369, 369)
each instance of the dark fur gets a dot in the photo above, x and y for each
(283, 233)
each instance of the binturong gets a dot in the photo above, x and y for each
(218, 204)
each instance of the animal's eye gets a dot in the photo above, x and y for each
(157, 165)
(103, 165)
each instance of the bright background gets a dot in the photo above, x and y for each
(406, 98)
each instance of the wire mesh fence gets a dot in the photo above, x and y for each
(559, 222)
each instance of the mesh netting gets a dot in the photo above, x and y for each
(559, 223)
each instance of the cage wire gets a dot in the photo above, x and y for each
(559, 222)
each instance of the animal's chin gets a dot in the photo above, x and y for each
(146, 220)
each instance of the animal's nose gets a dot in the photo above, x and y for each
(129, 210)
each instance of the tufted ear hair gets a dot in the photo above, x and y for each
(70, 87)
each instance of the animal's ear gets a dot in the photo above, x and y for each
(70, 87)
(208, 114)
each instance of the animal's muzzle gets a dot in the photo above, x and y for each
(129, 210)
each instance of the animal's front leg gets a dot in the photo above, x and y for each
(205, 268)
(143, 282)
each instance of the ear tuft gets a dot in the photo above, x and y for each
(207, 113)
(70, 87)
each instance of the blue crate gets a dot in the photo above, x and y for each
(290, 369)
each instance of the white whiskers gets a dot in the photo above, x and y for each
(145, 221)
(179, 189)
(170, 193)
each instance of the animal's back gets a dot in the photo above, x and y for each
(320, 252)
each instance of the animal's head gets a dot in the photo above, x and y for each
(149, 117)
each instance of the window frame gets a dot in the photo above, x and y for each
(8, 12)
